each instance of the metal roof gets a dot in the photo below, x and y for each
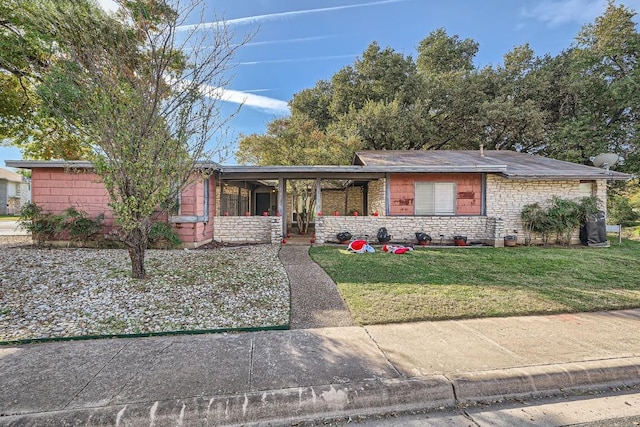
(516, 165)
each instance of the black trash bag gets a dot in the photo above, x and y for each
(594, 232)
(383, 235)
(343, 236)
(421, 236)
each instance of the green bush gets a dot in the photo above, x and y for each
(44, 226)
(620, 210)
(163, 235)
(80, 226)
(561, 218)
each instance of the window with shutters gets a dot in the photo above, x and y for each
(435, 198)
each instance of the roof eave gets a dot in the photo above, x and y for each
(558, 177)
(30, 164)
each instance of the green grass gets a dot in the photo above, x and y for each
(437, 284)
(9, 218)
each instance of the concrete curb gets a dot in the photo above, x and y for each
(357, 398)
(545, 380)
(367, 397)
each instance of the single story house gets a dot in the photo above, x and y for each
(14, 192)
(478, 194)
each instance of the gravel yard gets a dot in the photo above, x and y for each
(51, 293)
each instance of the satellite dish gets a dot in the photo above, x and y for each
(605, 160)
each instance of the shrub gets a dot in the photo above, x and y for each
(47, 226)
(163, 235)
(534, 220)
(80, 226)
(620, 210)
(564, 216)
(43, 226)
(561, 218)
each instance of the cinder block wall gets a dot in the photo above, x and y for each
(55, 190)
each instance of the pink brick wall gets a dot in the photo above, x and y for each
(192, 204)
(468, 187)
(54, 190)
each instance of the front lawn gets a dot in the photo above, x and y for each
(437, 284)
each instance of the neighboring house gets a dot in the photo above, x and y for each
(15, 192)
(443, 193)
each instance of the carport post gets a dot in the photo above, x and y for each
(318, 197)
(282, 198)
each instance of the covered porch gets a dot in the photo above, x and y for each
(254, 206)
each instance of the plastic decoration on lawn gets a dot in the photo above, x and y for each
(398, 250)
(360, 247)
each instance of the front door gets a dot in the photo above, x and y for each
(263, 203)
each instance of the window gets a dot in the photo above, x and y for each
(586, 188)
(435, 198)
(205, 206)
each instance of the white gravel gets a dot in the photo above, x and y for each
(49, 293)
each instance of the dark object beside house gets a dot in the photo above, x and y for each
(421, 237)
(460, 240)
(510, 240)
(343, 236)
(383, 235)
(594, 232)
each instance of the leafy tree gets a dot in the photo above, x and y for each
(602, 92)
(296, 140)
(26, 53)
(126, 84)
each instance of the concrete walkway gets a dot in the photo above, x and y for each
(231, 379)
(315, 300)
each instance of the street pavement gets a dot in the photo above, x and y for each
(11, 228)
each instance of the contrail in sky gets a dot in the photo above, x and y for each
(282, 61)
(294, 40)
(277, 16)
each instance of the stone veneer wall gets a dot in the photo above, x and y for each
(506, 198)
(376, 197)
(333, 200)
(403, 228)
(247, 229)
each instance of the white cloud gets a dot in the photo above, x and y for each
(278, 16)
(108, 5)
(555, 13)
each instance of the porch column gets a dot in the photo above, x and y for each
(318, 197)
(282, 201)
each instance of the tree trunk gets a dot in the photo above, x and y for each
(137, 242)
(137, 261)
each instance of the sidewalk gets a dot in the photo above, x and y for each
(232, 379)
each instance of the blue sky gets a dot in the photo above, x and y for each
(299, 42)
